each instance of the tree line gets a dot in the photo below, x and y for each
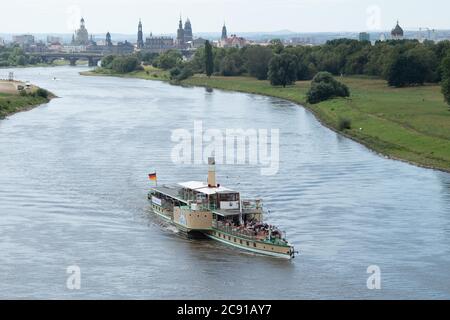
(15, 56)
(401, 63)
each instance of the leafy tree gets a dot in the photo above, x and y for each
(446, 79)
(107, 61)
(42, 93)
(282, 70)
(148, 57)
(219, 55)
(228, 67)
(168, 60)
(277, 46)
(181, 73)
(406, 70)
(257, 61)
(21, 60)
(428, 60)
(324, 87)
(357, 61)
(125, 64)
(197, 63)
(209, 59)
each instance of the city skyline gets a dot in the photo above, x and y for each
(209, 16)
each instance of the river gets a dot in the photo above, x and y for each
(73, 184)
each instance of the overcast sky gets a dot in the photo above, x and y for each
(161, 16)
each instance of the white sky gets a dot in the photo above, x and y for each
(161, 16)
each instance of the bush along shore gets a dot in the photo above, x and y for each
(13, 100)
(367, 93)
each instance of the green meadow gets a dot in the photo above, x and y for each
(12, 103)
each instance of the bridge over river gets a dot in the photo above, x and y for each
(49, 57)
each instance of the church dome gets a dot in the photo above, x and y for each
(397, 31)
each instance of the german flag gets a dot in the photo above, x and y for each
(152, 176)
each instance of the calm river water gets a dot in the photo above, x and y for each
(73, 184)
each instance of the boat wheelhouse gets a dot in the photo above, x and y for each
(219, 213)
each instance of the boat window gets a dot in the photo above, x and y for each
(229, 197)
(254, 244)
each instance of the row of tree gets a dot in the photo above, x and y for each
(15, 56)
(401, 63)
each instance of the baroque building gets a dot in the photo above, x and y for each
(188, 36)
(81, 36)
(157, 44)
(185, 36)
(231, 42)
(397, 33)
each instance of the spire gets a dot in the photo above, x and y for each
(140, 36)
(224, 31)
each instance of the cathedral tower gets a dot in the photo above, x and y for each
(224, 32)
(180, 34)
(108, 40)
(81, 35)
(140, 36)
(188, 36)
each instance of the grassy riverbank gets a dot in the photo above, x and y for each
(12, 102)
(149, 73)
(410, 124)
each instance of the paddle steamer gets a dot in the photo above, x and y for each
(219, 213)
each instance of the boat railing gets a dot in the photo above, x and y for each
(239, 232)
(264, 236)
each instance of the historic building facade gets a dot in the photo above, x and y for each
(158, 44)
(81, 36)
(185, 36)
(232, 41)
(397, 33)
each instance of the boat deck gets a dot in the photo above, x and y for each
(171, 191)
